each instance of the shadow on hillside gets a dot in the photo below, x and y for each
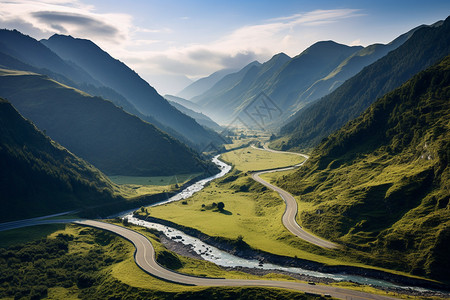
(225, 212)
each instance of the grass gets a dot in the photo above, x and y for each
(251, 159)
(21, 235)
(128, 272)
(135, 186)
(254, 212)
(239, 142)
(62, 293)
(121, 276)
(257, 219)
(153, 181)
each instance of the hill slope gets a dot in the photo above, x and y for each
(22, 52)
(351, 66)
(381, 183)
(116, 75)
(40, 177)
(28, 50)
(96, 130)
(425, 47)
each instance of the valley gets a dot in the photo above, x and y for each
(302, 156)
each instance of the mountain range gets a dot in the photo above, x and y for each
(118, 76)
(290, 83)
(83, 65)
(376, 120)
(313, 123)
(380, 183)
(203, 84)
(113, 140)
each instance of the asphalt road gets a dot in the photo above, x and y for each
(290, 213)
(145, 259)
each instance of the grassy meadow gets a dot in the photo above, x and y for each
(76, 262)
(135, 186)
(251, 159)
(253, 211)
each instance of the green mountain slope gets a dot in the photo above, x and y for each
(96, 130)
(425, 47)
(351, 66)
(381, 183)
(40, 177)
(28, 50)
(22, 52)
(118, 76)
(303, 70)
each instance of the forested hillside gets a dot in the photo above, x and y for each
(40, 177)
(381, 183)
(96, 130)
(311, 124)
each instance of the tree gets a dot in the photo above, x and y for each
(220, 206)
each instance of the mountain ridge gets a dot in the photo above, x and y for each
(118, 76)
(426, 46)
(381, 182)
(116, 142)
(203, 84)
(39, 176)
(279, 78)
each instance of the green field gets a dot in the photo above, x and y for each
(21, 235)
(81, 262)
(156, 180)
(90, 263)
(135, 186)
(253, 212)
(251, 159)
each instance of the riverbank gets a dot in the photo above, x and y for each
(244, 251)
(187, 251)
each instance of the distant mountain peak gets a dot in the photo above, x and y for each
(324, 46)
(281, 55)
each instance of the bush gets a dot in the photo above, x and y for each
(169, 260)
(85, 280)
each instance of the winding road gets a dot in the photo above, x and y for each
(145, 259)
(290, 213)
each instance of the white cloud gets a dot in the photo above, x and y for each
(355, 43)
(117, 34)
(245, 44)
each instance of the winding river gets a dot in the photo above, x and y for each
(222, 258)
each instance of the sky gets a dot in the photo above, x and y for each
(172, 43)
